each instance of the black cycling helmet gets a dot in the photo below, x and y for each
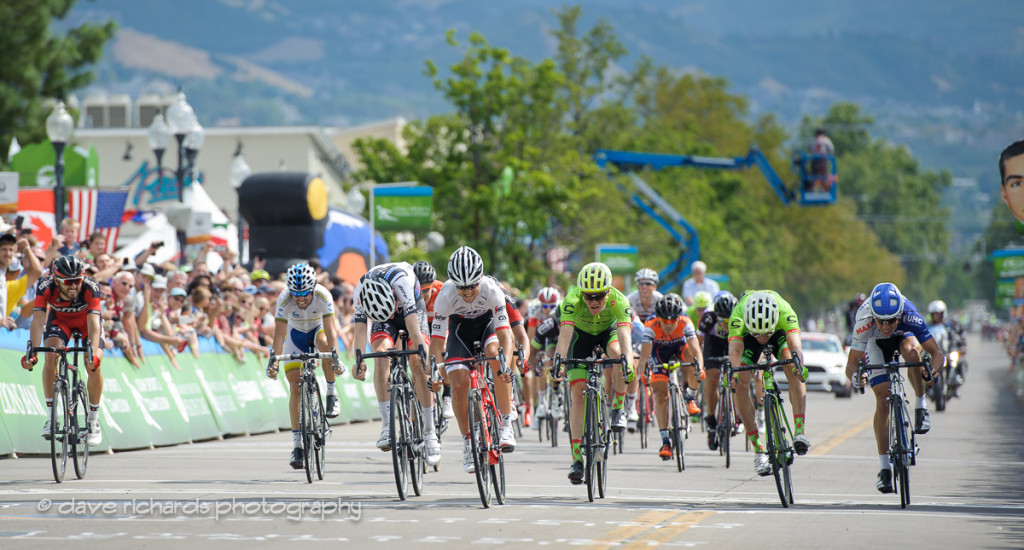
(724, 302)
(425, 273)
(68, 267)
(669, 306)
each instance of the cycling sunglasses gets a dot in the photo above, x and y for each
(70, 281)
(301, 294)
(887, 322)
(594, 297)
(463, 288)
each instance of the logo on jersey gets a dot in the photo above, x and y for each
(867, 327)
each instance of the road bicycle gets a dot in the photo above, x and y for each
(644, 406)
(488, 458)
(440, 422)
(517, 392)
(406, 417)
(596, 430)
(69, 426)
(726, 416)
(313, 427)
(553, 398)
(679, 419)
(778, 433)
(902, 441)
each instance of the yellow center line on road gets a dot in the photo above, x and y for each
(672, 529)
(637, 525)
(848, 431)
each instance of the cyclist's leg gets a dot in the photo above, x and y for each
(502, 389)
(797, 389)
(742, 401)
(909, 349)
(880, 387)
(659, 386)
(711, 391)
(618, 380)
(54, 335)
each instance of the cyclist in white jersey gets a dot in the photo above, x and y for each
(644, 299)
(389, 296)
(301, 310)
(471, 308)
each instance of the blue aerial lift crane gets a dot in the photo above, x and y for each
(817, 187)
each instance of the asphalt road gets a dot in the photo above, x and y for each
(967, 488)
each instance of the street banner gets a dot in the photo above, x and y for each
(403, 208)
(620, 258)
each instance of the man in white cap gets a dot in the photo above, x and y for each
(698, 282)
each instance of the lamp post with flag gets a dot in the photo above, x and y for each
(59, 127)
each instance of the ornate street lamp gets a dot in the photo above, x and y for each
(159, 136)
(236, 175)
(59, 128)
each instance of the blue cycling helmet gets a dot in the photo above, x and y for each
(301, 279)
(886, 301)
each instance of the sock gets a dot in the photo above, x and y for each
(49, 402)
(506, 420)
(664, 437)
(752, 436)
(94, 412)
(296, 439)
(428, 419)
(798, 424)
(689, 393)
(447, 391)
(631, 401)
(619, 399)
(331, 390)
(883, 460)
(921, 402)
(577, 452)
(385, 412)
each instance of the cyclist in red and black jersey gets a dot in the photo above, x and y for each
(73, 301)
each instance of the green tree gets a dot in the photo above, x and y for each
(38, 64)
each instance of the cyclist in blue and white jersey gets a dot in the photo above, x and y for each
(543, 324)
(888, 325)
(301, 310)
(471, 308)
(388, 295)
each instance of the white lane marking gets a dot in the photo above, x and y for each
(438, 538)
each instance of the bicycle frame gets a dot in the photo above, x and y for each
(902, 441)
(406, 422)
(312, 416)
(596, 434)
(69, 396)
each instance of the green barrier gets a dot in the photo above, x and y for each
(22, 406)
(189, 398)
(219, 394)
(125, 421)
(246, 379)
(6, 447)
(153, 398)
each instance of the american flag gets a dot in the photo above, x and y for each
(98, 210)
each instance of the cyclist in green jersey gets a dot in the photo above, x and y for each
(759, 318)
(594, 314)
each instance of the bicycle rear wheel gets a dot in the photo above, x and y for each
(938, 391)
(498, 467)
(641, 423)
(590, 444)
(415, 450)
(80, 427)
(724, 424)
(478, 443)
(518, 404)
(59, 430)
(319, 435)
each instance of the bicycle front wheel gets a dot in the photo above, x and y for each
(590, 443)
(80, 427)
(602, 458)
(60, 420)
(306, 427)
(724, 423)
(495, 458)
(478, 441)
(676, 427)
(399, 441)
(773, 448)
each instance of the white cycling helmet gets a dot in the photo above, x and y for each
(301, 278)
(761, 313)
(549, 295)
(938, 306)
(465, 266)
(377, 300)
(646, 274)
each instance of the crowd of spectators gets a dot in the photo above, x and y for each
(164, 303)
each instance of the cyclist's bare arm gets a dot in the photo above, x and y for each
(795, 345)
(735, 352)
(507, 346)
(645, 352)
(280, 330)
(626, 342)
(92, 323)
(694, 349)
(937, 359)
(38, 324)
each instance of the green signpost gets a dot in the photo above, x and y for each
(406, 208)
(620, 258)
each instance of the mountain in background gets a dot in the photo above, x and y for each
(944, 77)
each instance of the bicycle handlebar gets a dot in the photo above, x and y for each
(305, 356)
(473, 361)
(392, 354)
(892, 366)
(84, 348)
(765, 366)
(561, 362)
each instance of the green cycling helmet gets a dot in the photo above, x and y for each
(594, 277)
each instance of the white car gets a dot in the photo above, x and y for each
(825, 359)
